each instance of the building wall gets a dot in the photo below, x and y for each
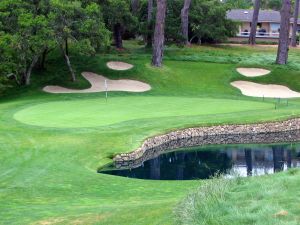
(245, 26)
(266, 26)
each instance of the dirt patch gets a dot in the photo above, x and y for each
(281, 213)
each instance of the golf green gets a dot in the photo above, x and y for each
(98, 112)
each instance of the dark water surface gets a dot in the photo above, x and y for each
(202, 163)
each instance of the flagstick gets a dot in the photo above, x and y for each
(106, 95)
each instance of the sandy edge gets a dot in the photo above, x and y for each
(253, 72)
(265, 90)
(98, 85)
(117, 65)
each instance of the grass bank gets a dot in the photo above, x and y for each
(256, 200)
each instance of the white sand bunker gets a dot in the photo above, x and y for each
(267, 91)
(115, 65)
(253, 72)
(98, 85)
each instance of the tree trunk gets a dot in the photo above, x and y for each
(185, 21)
(42, 59)
(118, 35)
(295, 25)
(135, 6)
(149, 23)
(159, 33)
(27, 74)
(283, 46)
(252, 36)
(67, 59)
(67, 47)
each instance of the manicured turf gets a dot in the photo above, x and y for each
(49, 174)
(98, 112)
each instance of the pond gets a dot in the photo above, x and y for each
(205, 162)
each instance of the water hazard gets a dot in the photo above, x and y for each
(205, 162)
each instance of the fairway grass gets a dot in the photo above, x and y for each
(52, 145)
(98, 112)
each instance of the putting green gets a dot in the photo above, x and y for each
(96, 112)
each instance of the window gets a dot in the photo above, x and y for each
(275, 27)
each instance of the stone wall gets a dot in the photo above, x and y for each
(275, 132)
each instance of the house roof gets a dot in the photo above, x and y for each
(245, 15)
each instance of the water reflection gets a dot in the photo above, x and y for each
(206, 162)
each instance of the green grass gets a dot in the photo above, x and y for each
(48, 169)
(98, 112)
(265, 200)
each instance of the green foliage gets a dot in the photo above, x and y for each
(271, 4)
(238, 4)
(84, 26)
(28, 34)
(31, 28)
(173, 21)
(208, 21)
(118, 12)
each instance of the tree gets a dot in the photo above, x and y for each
(27, 35)
(159, 33)
(283, 46)
(135, 6)
(208, 21)
(83, 26)
(295, 24)
(252, 36)
(271, 4)
(7, 63)
(118, 17)
(173, 31)
(149, 22)
(238, 4)
(29, 29)
(185, 21)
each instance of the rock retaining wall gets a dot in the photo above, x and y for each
(275, 132)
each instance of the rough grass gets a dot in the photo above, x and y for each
(48, 175)
(263, 200)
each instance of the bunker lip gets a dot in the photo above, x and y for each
(120, 66)
(98, 85)
(264, 90)
(260, 133)
(253, 72)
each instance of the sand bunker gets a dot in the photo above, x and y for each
(267, 91)
(98, 85)
(253, 72)
(114, 65)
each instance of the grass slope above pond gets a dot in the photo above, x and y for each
(255, 200)
(48, 171)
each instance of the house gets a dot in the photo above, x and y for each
(268, 26)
